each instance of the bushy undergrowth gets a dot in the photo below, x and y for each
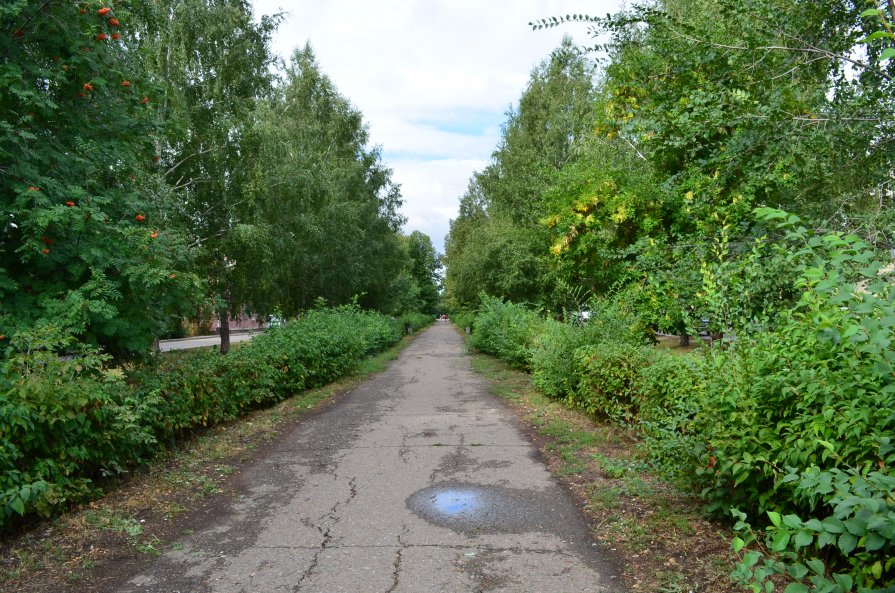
(790, 428)
(65, 420)
(415, 321)
(463, 320)
(506, 330)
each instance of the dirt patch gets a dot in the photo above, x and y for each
(664, 544)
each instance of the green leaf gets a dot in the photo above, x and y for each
(751, 558)
(797, 571)
(833, 525)
(18, 505)
(871, 12)
(875, 36)
(796, 588)
(803, 538)
(847, 543)
(826, 445)
(874, 542)
(738, 544)
(887, 54)
(856, 526)
(780, 540)
(843, 580)
(792, 521)
(817, 566)
(775, 518)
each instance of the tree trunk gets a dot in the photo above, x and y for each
(684, 340)
(225, 330)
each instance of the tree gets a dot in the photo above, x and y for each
(324, 197)
(424, 267)
(80, 245)
(213, 60)
(708, 109)
(499, 244)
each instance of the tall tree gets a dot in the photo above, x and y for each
(498, 244)
(213, 58)
(80, 245)
(424, 268)
(727, 106)
(324, 195)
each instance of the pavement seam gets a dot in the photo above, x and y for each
(327, 533)
(406, 546)
(476, 445)
(396, 573)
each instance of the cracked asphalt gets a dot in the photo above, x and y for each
(419, 480)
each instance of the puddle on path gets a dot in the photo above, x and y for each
(456, 502)
(477, 508)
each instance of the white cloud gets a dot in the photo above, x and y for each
(432, 77)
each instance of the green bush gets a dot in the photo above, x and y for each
(616, 318)
(671, 390)
(505, 330)
(797, 423)
(463, 320)
(417, 321)
(553, 363)
(64, 420)
(608, 379)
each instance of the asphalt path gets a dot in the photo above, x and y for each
(417, 481)
(201, 341)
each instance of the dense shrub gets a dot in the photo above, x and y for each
(506, 330)
(64, 420)
(416, 321)
(463, 320)
(791, 425)
(608, 379)
(553, 363)
(671, 390)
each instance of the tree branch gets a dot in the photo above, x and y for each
(810, 49)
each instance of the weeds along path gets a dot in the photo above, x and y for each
(419, 480)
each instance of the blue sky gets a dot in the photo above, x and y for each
(433, 78)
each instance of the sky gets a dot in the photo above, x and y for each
(433, 78)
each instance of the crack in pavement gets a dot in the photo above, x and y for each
(321, 510)
(331, 515)
(406, 546)
(396, 572)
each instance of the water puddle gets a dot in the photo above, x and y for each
(455, 502)
(477, 508)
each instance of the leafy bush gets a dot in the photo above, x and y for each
(64, 420)
(608, 379)
(617, 318)
(671, 390)
(417, 321)
(463, 320)
(808, 416)
(819, 390)
(849, 546)
(505, 330)
(553, 362)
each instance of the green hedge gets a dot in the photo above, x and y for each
(64, 421)
(506, 330)
(792, 429)
(417, 321)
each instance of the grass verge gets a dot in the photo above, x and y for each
(142, 514)
(665, 543)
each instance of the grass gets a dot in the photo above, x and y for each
(138, 516)
(666, 544)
